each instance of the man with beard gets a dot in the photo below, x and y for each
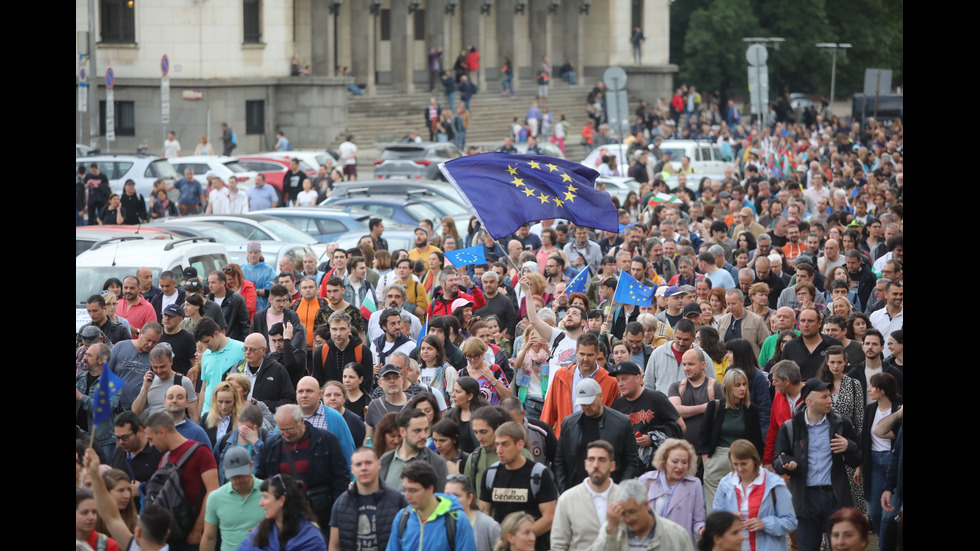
(136, 309)
(581, 510)
(334, 287)
(422, 248)
(441, 304)
(498, 305)
(394, 296)
(341, 348)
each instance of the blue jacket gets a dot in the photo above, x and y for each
(309, 538)
(432, 535)
(263, 276)
(775, 511)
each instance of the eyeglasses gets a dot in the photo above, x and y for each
(123, 438)
(251, 349)
(473, 357)
(457, 478)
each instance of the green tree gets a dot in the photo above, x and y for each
(714, 54)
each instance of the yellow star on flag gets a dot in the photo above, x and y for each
(518, 182)
(571, 188)
(558, 202)
(528, 191)
(551, 167)
(543, 197)
(565, 177)
(569, 197)
(512, 170)
(534, 164)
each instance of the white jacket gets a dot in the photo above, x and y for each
(576, 524)
(668, 536)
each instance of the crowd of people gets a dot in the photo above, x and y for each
(757, 395)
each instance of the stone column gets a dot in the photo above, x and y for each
(473, 33)
(436, 34)
(321, 38)
(539, 23)
(362, 64)
(402, 62)
(506, 37)
(573, 38)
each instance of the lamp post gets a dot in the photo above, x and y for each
(832, 48)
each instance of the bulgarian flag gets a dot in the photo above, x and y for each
(368, 307)
(663, 198)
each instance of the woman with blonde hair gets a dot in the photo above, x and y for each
(673, 490)
(759, 295)
(729, 418)
(449, 228)
(493, 383)
(120, 487)
(242, 286)
(516, 533)
(241, 383)
(226, 405)
(203, 147)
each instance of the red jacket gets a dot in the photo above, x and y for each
(558, 402)
(472, 61)
(442, 307)
(779, 414)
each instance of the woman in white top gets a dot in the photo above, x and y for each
(307, 197)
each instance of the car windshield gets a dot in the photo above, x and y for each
(445, 206)
(402, 153)
(89, 280)
(161, 169)
(235, 167)
(288, 232)
(675, 153)
(221, 234)
(421, 211)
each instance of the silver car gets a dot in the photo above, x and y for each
(414, 160)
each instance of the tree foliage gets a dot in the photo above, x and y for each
(706, 42)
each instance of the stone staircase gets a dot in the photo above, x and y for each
(390, 114)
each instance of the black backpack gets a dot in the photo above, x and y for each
(167, 490)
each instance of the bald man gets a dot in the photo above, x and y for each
(784, 319)
(325, 418)
(270, 381)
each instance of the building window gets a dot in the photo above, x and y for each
(125, 115)
(636, 14)
(255, 116)
(118, 25)
(385, 24)
(252, 21)
(419, 24)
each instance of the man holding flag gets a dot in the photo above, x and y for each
(88, 388)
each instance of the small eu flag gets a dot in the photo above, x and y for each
(109, 386)
(465, 257)
(505, 191)
(577, 284)
(631, 291)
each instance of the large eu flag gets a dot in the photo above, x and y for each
(505, 191)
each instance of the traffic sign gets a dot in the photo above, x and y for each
(165, 64)
(110, 78)
(756, 55)
(614, 78)
(82, 74)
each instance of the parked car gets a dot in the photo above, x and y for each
(592, 160)
(328, 223)
(255, 227)
(142, 169)
(273, 169)
(87, 236)
(310, 157)
(119, 259)
(705, 155)
(414, 161)
(272, 251)
(406, 210)
(222, 166)
(82, 150)
(619, 186)
(421, 188)
(547, 148)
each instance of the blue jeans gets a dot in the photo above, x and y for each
(572, 77)
(879, 465)
(508, 84)
(466, 102)
(442, 138)
(452, 101)
(459, 139)
(637, 53)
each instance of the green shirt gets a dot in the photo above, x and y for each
(769, 348)
(232, 515)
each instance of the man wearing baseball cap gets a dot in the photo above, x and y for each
(180, 340)
(233, 509)
(594, 422)
(652, 417)
(812, 448)
(259, 273)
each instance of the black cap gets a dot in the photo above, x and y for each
(389, 368)
(190, 272)
(626, 368)
(173, 310)
(691, 308)
(813, 385)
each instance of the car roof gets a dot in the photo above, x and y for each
(144, 250)
(119, 156)
(200, 158)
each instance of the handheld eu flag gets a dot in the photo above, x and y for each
(505, 191)
(631, 291)
(109, 386)
(577, 284)
(467, 256)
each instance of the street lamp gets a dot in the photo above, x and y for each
(584, 8)
(485, 7)
(832, 48)
(553, 6)
(519, 6)
(451, 6)
(335, 6)
(375, 7)
(413, 5)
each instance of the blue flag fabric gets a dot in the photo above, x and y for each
(425, 329)
(467, 256)
(631, 291)
(109, 386)
(505, 191)
(577, 284)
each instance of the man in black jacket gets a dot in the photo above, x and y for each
(311, 455)
(368, 486)
(594, 422)
(232, 305)
(812, 448)
(279, 312)
(286, 353)
(272, 384)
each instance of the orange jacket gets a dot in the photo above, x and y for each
(558, 403)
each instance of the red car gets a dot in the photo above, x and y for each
(273, 169)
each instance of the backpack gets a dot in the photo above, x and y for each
(537, 471)
(558, 339)
(234, 138)
(682, 386)
(358, 354)
(166, 489)
(450, 526)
